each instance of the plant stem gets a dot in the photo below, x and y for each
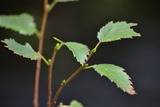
(65, 82)
(40, 48)
(50, 77)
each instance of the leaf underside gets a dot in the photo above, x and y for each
(22, 50)
(74, 103)
(116, 31)
(116, 75)
(23, 23)
(79, 51)
(65, 0)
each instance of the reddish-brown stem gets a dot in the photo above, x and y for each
(50, 77)
(40, 48)
(65, 82)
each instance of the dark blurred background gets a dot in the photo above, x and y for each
(80, 22)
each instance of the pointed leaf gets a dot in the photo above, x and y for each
(116, 31)
(74, 103)
(79, 51)
(23, 23)
(116, 75)
(65, 0)
(22, 50)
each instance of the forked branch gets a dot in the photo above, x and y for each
(65, 82)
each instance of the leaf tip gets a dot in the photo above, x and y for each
(132, 92)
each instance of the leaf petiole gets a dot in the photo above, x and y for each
(58, 46)
(58, 40)
(88, 67)
(51, 6)
(45, 60)
(37, 32)
(95, 48)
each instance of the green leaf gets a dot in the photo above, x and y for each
(22, 50)
(65, 0)
(116, 75)
(23, 23)
(116, 31)
(74, 103)
(79, 51)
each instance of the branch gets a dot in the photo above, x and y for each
(40, 48)
(50, 77)
(65, 82)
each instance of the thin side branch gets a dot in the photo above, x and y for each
(64, 83)
(50, 77)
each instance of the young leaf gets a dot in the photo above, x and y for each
(116, 75)
(116, 31)
(74, 103)
(22, 50)
(79, 51)
(23, 23)
(65, 0)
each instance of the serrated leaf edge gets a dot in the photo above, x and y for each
(75, 56)
(130, 91)
(3, 41)
(135, 24)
